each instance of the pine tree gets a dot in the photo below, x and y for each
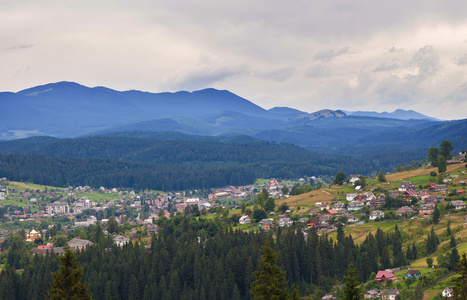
(436, 215)
(67, 280)
(270, 281)
(351, 288)
(453, 243)
(460, 282)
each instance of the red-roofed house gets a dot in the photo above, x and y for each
(432, 187)
(460, 192)
(331, 212)
(384, 276)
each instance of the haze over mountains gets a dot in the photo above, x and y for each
(67, 109)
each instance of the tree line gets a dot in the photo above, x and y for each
(193, 258)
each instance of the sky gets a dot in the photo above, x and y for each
(309, 55)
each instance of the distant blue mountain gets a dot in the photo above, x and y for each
(68, 109)
(397, 114)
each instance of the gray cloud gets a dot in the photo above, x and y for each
(427, 61)
(461, 59)
(393, 49)
(318, 71)
(20, 47)
(330, 54)
(383, 67)
(278, 75)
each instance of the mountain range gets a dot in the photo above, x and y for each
(68, 109)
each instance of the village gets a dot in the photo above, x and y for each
(36, 211)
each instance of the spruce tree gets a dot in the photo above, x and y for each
(351, 288)
(436, 215)
(460, 282)
(67, 280)
(453, 243)
(270, 281)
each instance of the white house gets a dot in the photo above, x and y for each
(447, 292)
(245, 220)
(351, 196)
(120, 240)
(376, 214)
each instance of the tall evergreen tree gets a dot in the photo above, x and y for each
(67, 280)
(460, 282)
(351, 288)
(436, 215)
(270, 281)
(452, 243)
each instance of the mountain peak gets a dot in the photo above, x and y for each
(325, 113)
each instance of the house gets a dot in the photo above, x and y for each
(384, 276)
(448, 293)
(441, 188)
(351, 197)
(57, 208)
(460, 192)
(405, 210)
(285, 222)
(313, 223)
(338, 205)
(91, 220)
(272, 213)
(120, 240)
(406, 185)
(331, 212)
(431, 187)
(377, 202)
(351, 218)
(244, 220)
(48, 250)
(266, 224)
(458, 204)
(32, 235)
(314, 210)
(413, 273)
(376, 214)
(426, 209)
(372, 294)
(407, 195)
(353, 179)
(328, 297)
(393, 194)
(354, 206)
(389, 294)
(323, 206)
(79, 244)
(324, 218)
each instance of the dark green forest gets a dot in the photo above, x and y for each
(173, 161)
(204, 259)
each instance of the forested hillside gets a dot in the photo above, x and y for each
(218, 266)
(157, 163)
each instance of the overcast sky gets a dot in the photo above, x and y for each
(309, 55)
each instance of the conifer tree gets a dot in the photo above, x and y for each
(436, 215)
(270, 281)
(453, 243)
(351, 288)
(460, 282)
(67, 280)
